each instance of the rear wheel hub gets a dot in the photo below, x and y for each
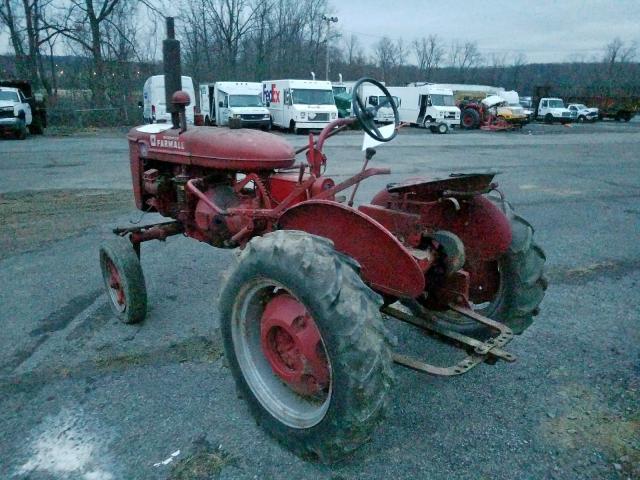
(292, 344)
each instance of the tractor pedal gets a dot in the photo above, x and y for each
(487, 351)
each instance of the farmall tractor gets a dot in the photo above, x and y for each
(303, 310)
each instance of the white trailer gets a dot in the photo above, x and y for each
(154, 108)
(238, 102)
(299, 104)
(427, 106)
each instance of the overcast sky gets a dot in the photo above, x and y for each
(543, 30)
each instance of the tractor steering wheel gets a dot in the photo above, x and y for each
(366, 115)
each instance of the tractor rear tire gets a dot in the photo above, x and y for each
(470, 119)
(522, 284)
(123, 280)
(356, 343)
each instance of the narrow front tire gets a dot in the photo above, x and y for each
(123, 280)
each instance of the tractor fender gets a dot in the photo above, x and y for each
(482, 225)
(483, 228)
(386, 265)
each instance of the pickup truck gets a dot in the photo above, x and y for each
(553, 110)
(32, 104)
(15, 112)
(585, 114)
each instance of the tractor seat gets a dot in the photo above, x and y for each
(219, 148)
(469, 183)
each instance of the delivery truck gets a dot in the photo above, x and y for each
(154, 109)
(299, 104)
(427, 106)
(236, 104)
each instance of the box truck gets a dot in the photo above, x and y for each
(372, 97)
(427, 106)
(237, 104)
(154, 109)
(299, 104)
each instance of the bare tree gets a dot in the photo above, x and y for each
(9, 18)
(353, 48)
(385, 56)
(231, 19)
(464, 57)
(517, 64)
(617, 52)
(83, 23)
(24, 21)
(429, 53)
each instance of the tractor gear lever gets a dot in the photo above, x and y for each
(369, 153)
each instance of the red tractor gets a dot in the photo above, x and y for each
(303, 310)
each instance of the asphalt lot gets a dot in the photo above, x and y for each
(85, 397)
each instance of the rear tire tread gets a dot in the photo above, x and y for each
(361, 347)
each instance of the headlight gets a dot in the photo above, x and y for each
(235, 115)
(333, 114)
(303, 114)
(6, 109)
(266, 117)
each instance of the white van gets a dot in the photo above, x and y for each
(372, 96)
(299, 104)
(154, 108)
(241, 101)
(426, 105)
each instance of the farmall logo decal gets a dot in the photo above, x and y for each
(272, 95)
(163, 141)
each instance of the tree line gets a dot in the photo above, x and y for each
(113, 45)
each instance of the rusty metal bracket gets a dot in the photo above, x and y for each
(482, 350)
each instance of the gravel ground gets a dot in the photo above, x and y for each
(84, 397)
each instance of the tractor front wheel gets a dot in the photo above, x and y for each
(123, 280)
(305, 342)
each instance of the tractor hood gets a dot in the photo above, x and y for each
(222, 148)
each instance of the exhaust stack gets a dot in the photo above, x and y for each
(172, 72)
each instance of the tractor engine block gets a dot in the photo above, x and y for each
(216, 229)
